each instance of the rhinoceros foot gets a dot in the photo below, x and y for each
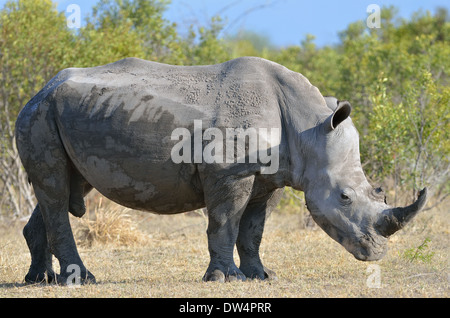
(85, 277)
(230, 275)
(34, 277)
(257, 272)
(37, 277)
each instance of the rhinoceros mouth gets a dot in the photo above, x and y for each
(364, 247)
(370, 249)
(368, 257)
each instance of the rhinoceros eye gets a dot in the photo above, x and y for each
(345, 199)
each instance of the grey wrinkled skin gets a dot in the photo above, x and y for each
(109, 128)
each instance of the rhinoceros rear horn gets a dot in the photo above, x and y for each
(394, 219)
(340, 114)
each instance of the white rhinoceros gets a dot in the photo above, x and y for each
(161, 138)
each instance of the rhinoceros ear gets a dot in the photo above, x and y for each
(341, 113)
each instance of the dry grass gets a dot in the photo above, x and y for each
(166, 256)
(108, 224)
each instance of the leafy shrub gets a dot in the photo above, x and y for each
(419, 253)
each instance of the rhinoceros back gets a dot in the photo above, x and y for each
(115, 122)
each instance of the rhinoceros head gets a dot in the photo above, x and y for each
(338, 195)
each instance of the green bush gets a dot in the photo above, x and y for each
(396, 78)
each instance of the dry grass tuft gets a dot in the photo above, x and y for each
(109, 223)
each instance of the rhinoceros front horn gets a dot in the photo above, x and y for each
(394, 219)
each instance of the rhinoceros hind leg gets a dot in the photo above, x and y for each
(49, 229)
(41, 258)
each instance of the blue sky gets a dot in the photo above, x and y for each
(285, 22)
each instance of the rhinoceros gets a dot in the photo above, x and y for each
(135, 131)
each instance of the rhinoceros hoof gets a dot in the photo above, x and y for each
(35, 277)
(263, 274)
(71, 280)
(218, 275)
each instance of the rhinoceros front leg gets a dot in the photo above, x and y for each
(226, 200)
(250, 234)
